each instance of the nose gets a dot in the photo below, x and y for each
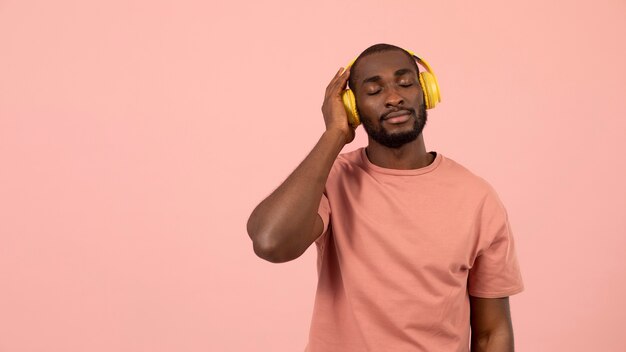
(393, 98)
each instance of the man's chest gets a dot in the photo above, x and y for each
(404, 230)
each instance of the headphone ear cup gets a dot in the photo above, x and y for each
(430, 88)
(349, 103)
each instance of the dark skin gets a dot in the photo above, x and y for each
(286, 223)
(397, 88)
(492, 329)
(387, 94)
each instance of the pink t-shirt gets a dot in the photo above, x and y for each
(400, 253)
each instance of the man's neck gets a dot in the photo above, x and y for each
(412, 155)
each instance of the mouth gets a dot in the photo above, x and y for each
(398, 117)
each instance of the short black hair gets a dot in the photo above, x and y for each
(376, 48)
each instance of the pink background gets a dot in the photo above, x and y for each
(137, 136)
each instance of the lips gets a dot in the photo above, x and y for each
(396, 113)
(397, 117)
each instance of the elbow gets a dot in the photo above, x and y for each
(496, 341)
(267, 246)
(271, 253)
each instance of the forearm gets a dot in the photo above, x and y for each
(501, 341)
(277, 223)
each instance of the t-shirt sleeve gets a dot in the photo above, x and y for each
(324, 212)
(495, 272)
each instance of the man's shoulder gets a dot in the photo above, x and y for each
(466, 176)
(353, 156)
(448, 171)
(347, 161)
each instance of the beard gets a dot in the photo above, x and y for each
(396, 140)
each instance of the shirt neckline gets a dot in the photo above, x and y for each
(422, 170)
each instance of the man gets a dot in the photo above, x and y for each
(413, 248)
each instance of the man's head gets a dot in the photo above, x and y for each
(384, 80)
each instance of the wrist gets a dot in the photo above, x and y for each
(337, 135)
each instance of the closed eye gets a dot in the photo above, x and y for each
(402, 85)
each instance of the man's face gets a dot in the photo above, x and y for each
(387, 83)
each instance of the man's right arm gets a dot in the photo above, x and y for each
(286, 223)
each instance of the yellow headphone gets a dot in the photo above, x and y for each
(428, 81)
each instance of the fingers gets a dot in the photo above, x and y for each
(344, 76)
(339, 81)
(333, 81)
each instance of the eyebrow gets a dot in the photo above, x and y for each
(400, 72)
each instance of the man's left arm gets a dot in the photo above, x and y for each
(492, 329)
